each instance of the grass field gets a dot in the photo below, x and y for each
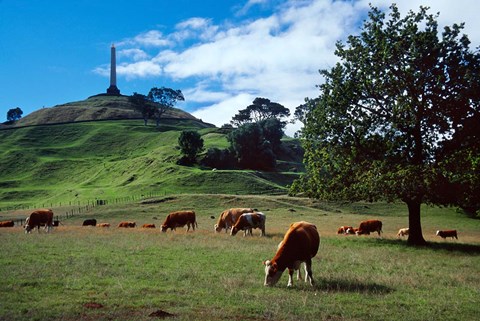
(88, 273)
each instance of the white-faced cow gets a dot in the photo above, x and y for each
(367, 227)
(300, 244)
(403, 232)
(228, 218)
(179, 219)
(38, 218)
(248, 221)
(447, 233)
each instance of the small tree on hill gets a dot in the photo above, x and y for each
(166, 98)
(14, 114)
(141, 103)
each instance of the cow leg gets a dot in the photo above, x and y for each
(299, 274)
(290, 277)
(308, 272)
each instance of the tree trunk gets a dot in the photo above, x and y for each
(415, 236)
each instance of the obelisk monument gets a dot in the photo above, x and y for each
(113, 90)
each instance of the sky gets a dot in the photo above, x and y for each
(220, 54)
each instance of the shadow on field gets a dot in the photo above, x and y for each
(336, 285)
(455, 247)
(447, 245)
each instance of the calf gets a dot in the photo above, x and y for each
(127, 224)
(344, 229)
(447, 233)
(366, 227)
(300, 244)
(103, 225)
(403, 232)
(179, 219)
(90, 222)
(7, 224)
(148, 226)
(249, 221)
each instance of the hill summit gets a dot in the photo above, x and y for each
(99, 107)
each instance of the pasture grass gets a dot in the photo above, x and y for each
(132, 273)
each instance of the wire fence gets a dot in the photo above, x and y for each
(71, 209)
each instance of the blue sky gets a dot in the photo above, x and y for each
(221, 54)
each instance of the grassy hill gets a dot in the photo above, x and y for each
(108, 159)
(99, 107)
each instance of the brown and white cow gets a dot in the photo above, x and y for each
(447, 233)
(103, 225)
(229, 217)
(148, 226)
(344, 229)
(179, 219)
(7, 224)
(367, 227)
(38, 218)
(403, 232)
(248, 221)
(299, 245)
(127, 224)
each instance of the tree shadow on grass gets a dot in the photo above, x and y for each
(337, 285)
(452, 246)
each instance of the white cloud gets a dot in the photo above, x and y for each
(135, 54)
(225, 66)
(140, 69)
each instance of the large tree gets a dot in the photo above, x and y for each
(399, 98)
(166, 98)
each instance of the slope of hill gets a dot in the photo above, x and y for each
(99, 107)
(108, 159)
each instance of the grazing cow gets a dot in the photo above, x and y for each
(90, 222)
(103, 224)
(37, 218)
(366, 227)
(403, 232)
(249, 221)
(229, 217)
(344, 229)
(179, 219)
(127, 224)
(299, 245)
(148, 226)
(7, 224)
(447, 233)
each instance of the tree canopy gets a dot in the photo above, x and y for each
(14, 114)
(260, 109)
(395, 116)
(166, 98)
(191, 143)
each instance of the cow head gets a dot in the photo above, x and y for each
(438, 233)
(217, 228)
(164, 228)
(234, 231)
(272, 274)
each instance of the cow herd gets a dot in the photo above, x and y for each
(367, 227)
(299, 245)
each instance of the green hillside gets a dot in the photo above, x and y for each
(109, 159)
